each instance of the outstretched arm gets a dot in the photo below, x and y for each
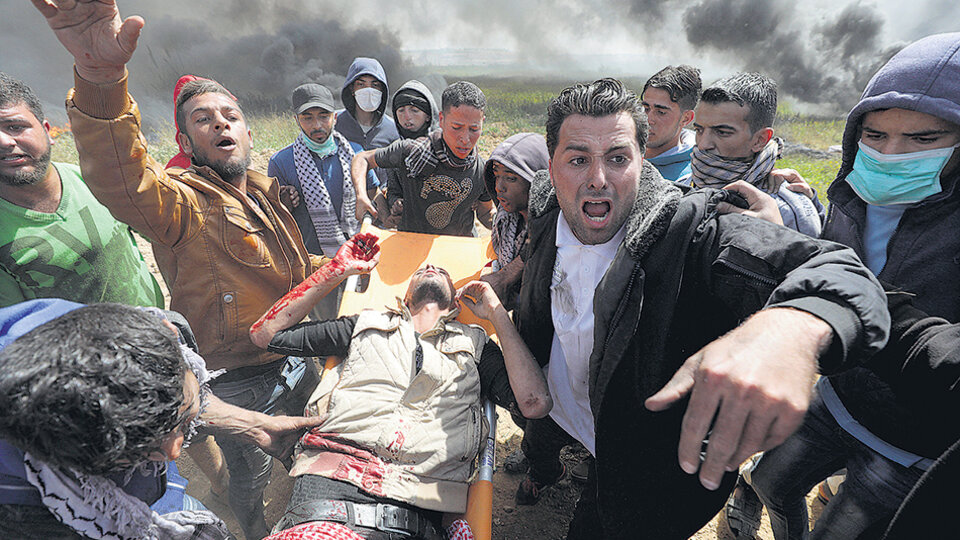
(93, 32)
(363, 162)
(358, 255)
(275, 435)
(526, 377)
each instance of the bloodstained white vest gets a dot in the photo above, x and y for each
(394, 432)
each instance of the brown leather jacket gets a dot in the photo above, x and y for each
(225, 258)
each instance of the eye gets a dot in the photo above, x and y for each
(619, 159)
(926, 140)
(579, 160)
(698, 129)
(872, 136)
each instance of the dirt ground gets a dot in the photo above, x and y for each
(546, 520)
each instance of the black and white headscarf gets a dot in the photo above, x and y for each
(332, 231)
(508, 236)
(429, 151)
(711, 170)
(95, 507)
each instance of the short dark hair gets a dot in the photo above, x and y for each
(462, 93)
(599, 98)
(682, 83)
(14, 91)
(193, 89)
(95, 390)
(752, 90)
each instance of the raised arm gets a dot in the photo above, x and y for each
(526, 377)
(363, 162)
(358, 255)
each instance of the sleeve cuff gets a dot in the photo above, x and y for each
(845, 325)
(104, 101)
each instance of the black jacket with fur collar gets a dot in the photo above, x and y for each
(682, 277)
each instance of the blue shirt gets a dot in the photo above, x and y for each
(881, 223)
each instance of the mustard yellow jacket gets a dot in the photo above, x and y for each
(225, 259)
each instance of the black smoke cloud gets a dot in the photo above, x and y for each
(830, 62)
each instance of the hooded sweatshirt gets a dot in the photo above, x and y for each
(384, 131)
(524, 154)
(432, 121)
(674, 164)
(922, 254)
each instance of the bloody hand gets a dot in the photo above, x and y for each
(360, 254)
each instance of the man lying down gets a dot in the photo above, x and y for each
(403, 418)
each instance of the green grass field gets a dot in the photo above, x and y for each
(515, 105)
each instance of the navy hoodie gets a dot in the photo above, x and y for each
(385, 130)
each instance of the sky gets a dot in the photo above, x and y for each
(820, 52)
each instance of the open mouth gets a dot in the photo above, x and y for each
(596, 211)
(226, 143)
(14, 159)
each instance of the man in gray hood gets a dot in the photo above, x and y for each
(364, 95)
(897, 204)
(508, 175)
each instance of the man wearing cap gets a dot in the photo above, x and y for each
(314, 177)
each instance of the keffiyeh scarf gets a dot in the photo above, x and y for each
(332, 231)
(508, 236)
(428, 152)
(96, 507)
(711, 170)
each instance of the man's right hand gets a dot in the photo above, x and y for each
(359, 255)
(92, 31)
(364, 206)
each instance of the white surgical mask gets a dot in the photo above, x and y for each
(368, 99)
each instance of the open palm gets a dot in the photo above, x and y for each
(93, 32)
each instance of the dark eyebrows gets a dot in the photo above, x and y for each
(928, 133)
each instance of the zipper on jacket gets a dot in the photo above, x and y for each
(760, 278)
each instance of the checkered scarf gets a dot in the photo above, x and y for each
(332, 231)
(711, 170)
(509, 233)
(428, 152)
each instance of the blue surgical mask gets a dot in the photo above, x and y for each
(323, 149)
(882, 179)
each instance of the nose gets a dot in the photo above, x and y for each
(500, 187)
(6, 140)
(597, 178)
(705, 142)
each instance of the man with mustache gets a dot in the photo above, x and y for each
(225, 244)
(314, 177)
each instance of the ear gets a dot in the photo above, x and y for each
(440, 116)
(550, 170)
(686, 118)
(185, 143)
(250, 136)
(760, 139)
(47, 127)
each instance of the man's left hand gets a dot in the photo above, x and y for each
(749, 390)
(480, 298)
(359, 255)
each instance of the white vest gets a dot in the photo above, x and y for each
(409, 436)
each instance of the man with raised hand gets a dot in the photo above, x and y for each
(225, 244)
(734, 126)
(402, 411)
(668, 98)
(640, 283)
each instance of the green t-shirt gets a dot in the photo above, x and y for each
(78, 253)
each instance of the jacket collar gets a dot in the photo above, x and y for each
(656, 202)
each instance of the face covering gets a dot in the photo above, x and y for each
(323, 149)
(368, 99)
(882, 179)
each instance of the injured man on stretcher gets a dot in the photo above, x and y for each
(403, 413)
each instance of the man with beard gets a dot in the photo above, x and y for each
(402, 411)
(314, 177)
(56, 240)
(443, 169)
(672, 332)
(225, 244)
(669, 98)
(734, 126)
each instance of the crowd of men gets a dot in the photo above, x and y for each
(695, 292)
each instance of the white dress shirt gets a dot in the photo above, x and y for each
(576, 275)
